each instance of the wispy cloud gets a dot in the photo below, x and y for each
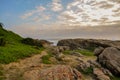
(56, 5)
(37, 10)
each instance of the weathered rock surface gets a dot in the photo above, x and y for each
(59, 72)
(88, 43)
(100, 75)
(110, 58)
(58, 49)
(98, 51)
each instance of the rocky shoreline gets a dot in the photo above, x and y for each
(71, 59)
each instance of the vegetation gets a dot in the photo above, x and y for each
(83, 52)
(88, 71)
(45, 59)
(11, 48)
(2, 42)
(32, 42)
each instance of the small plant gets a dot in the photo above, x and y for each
(45, 59)
(88, 71)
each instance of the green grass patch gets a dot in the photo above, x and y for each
(14, 49)
(11, 53)
(67, 52)
(45, 59)
(88, 70)
(85, 52)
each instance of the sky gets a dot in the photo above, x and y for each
(52, 19)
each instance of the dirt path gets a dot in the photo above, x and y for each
(15, 70)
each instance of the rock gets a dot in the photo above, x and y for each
(76, 54)
(83, 66)
(60, 56)
(45, 43)
(94, 63)
(31, 75)
(60, 72)
(99, 74)
(107, 72)
(88, 43)
(58, 49)
(98, 50)
(110, 58)
(66, 59)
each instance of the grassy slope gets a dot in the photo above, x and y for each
(14, 49)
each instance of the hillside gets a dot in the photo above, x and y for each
(11, 48)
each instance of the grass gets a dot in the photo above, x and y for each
(45, 59)
(14, 49)
(11, 53)
(88, 71)
(83, 52)
(67, 52)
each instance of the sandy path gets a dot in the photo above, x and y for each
(15, 70)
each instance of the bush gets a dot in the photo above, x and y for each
(2, 42)
(32, 42)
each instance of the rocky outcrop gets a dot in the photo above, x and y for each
(98, 51)
(58, 49)
(59, 72)
(88, 43)
(110, 58)
(100, 75)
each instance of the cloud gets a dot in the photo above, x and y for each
(48, 31)
(56, 5)
(38, 9)
(91, 12)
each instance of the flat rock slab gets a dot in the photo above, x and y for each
(58, 72)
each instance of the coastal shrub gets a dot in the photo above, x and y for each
(32, 42)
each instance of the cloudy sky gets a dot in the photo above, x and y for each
(48, 19)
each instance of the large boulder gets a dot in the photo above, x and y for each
(110, 58)
(88, 43)
(59, 72)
